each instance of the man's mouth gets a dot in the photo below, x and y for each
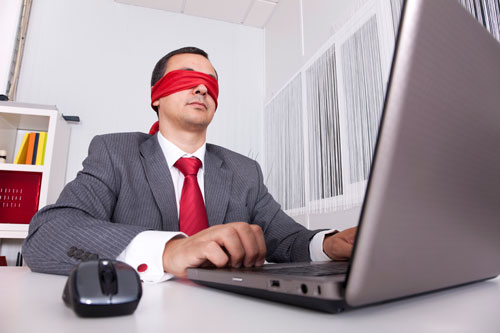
(198, 104)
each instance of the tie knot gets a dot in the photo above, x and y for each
(188, 166)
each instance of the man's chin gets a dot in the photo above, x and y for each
(196, 126)
(198, 118)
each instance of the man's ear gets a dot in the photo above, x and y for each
(156, 103)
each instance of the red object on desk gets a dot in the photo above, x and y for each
(19, 196)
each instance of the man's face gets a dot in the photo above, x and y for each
(192, 109)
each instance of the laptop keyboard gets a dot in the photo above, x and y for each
(323, 269)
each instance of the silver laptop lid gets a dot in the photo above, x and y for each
(431, 217)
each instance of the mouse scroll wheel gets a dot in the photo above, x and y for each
(108, 276)
(108, 281)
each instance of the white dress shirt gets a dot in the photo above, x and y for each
(145, 251)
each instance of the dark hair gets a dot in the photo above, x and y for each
(161, 65)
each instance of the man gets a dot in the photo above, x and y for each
(134, 195)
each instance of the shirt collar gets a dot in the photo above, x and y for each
(173, 153)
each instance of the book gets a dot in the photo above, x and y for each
(35, 150)
(42, 142)
(31, 147)
(23, 149)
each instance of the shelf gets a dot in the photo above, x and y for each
(22, 167)
(15, 120)
(11, 230)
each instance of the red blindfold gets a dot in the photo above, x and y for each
(179, 80)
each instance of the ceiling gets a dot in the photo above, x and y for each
(253, 13)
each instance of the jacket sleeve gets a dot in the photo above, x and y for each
(78, 226)
(286, 240)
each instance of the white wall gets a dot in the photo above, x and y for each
(94, 58)
(296, 31)
(10, 12)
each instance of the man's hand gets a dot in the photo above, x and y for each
(234, 244)
(339, 246)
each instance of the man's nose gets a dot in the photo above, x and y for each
(200, 90)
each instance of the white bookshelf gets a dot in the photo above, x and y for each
(16, 118)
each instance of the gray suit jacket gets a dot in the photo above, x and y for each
(125, 188)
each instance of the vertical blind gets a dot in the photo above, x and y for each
(364, 94)
(284, 148)
(320, 130)
(325, 158)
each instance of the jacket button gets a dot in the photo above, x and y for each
(78, 254)
(71, 251)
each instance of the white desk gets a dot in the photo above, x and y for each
(31, 302)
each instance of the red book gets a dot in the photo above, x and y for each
(19, 195)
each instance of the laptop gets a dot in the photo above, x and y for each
(430, 219)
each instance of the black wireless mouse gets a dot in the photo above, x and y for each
(101, 288)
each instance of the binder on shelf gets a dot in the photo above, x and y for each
(31, 147)
(23, 149)
(35, 150)
(42, 142)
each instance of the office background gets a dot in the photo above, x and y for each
(94, 59)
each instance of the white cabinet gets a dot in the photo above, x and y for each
(16, 119)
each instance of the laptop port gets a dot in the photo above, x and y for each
(275, 283)
(303, 287)
(319, 290)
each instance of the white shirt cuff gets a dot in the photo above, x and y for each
(145, 254)
(316, 246)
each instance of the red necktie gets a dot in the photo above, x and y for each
(192, 212)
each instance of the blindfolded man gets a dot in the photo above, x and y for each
(167, 201)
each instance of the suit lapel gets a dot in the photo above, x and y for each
(160, 181)
(217, 188)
